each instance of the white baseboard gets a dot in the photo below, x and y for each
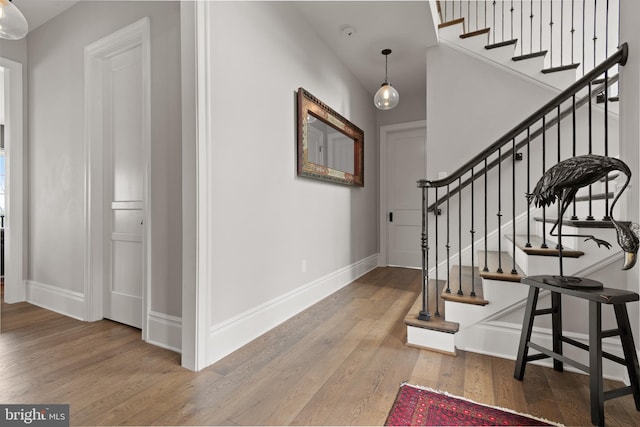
(56, 299)
(501, 339)
(164, 330)
(228, 336)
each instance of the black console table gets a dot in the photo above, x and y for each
(596, 297)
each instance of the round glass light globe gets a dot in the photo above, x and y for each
(386, 97)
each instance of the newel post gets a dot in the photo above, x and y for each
(424, 312)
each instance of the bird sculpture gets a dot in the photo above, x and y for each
(561, 183)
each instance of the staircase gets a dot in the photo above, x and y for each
(473, 300)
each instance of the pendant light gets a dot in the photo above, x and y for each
(13, 24)
(387, 96)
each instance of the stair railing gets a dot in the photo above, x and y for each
(572, 34)
(543, 136)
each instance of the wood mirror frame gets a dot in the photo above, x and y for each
(324, 153)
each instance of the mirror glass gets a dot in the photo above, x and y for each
(329, 146)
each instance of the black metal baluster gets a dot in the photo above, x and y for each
(499, 270)
(573, 30)
(502, 8)
(574, 217)
(618, 44)
(424, 313)
(473, 231)
(485, 13)
(448, 243)
(435, 211)
(544, 168)
(493, 25)
(551, 34)
(558, 129)
(590, 127)
(513, 201)
(511, 10)
(531, 15)
(521, 38)
(460, 236)
(528, 244)
(595, 36)
(559, 150)
(561, 33)
(606, 33)
(606, 216)
(486, 228)
(541, 26)
(584, 42)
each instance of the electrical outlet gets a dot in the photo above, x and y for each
(303, 266)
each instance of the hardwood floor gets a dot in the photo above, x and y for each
(338, 363)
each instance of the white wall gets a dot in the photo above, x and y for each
(412, 108)
(630, 130)
(265, 220)
(468, 107)
(57, 145)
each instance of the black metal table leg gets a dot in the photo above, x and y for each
(629, 349)
(595, 363)
(525, 336)
(556, 319)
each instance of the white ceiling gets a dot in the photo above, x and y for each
(37, 12)
(405, 27)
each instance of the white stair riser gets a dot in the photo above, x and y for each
(451, 32)
(579, 243)
(500, 295)
(433, 340)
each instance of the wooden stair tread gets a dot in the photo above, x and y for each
(615, 77)
(450, 23)
(501, 44)
(529, 56)
(599, 196)
(494, 259)
(475, 33)
(583, 223)
(454, 284)
(560, 68)
(437, 323)
(536, 249)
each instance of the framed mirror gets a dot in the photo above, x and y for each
(330, 147)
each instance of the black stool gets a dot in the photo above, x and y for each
(596, 297)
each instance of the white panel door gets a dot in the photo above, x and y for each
(405, 164)
(124, 187)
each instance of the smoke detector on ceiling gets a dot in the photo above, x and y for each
(347, 31)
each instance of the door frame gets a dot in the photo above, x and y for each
(385, 132)
(14, 277)
(133, 35)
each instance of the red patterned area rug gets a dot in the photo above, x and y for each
(419, 406)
